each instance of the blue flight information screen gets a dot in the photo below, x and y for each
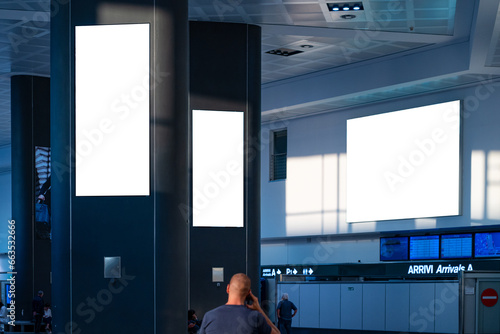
(393, 248)
(487, 244)
(456, 246)
(424, 247)
(7, 290)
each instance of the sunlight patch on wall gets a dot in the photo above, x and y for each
(315, 194)
(343, 187)
(493, 185)
(331, 222)
(331, 182)
(362, 227)
(425, 223)
(304, 224)
(304, 189)
(477, 185)
(331, 194)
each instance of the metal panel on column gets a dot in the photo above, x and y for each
(144, 230)
(224, 79)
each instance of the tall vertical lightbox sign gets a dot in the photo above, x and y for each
(218, 168)
(112, 118)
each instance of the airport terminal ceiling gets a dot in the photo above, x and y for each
(330, 45)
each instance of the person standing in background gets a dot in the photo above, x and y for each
(38, 305)
(47, 318)
(285, 315)
(3, 317)
(193, 322)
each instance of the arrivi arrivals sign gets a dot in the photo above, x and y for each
(419, 269)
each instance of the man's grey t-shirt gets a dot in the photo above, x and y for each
(234, 319)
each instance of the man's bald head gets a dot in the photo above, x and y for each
(239, 285)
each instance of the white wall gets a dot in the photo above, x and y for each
(421, 307)
(311, 201)
(320, 250)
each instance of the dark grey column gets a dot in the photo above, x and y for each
(252, 152)
(148, 232)
(30, 127)
(62, 144)
(225, 76)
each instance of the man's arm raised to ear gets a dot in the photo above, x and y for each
(256, 306)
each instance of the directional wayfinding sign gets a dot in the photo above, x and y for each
(489, 297)
(271, 272)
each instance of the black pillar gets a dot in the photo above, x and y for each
(30, 108)
(225, 76)
(149, 233)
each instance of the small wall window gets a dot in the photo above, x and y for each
(277, 170)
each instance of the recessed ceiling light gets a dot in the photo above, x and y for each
(345, 6)
(306, 46)
(348, 16)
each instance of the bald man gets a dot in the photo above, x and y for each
(237, 316)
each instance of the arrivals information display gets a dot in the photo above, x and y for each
(394, 249)
(424, 247)
(487, 244)
(454, 246)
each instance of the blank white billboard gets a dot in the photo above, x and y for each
(218, 168)
(404, 164)
(112, 119)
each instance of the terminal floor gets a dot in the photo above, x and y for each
(343, 331)
(29, 329)
(308, 331)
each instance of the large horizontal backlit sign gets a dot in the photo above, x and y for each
(112, 117)
(404, 164)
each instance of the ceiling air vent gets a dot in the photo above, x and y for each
(283, 52)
